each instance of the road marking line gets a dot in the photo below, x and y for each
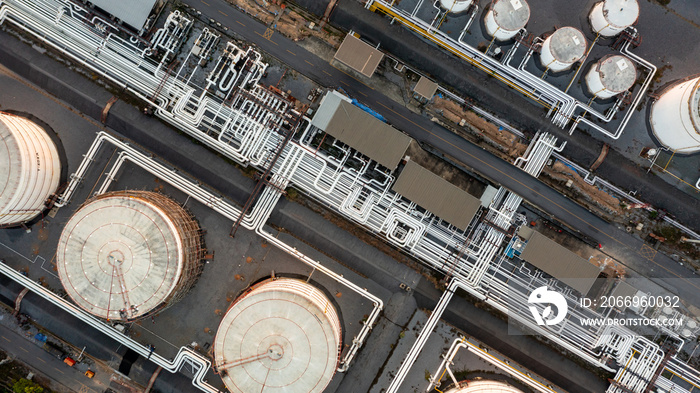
(240, 23)
(58, 370)
(291, 52)
(309, 63)
(366, 85)
(268, 33)
(24, 349)
(345, 83)
(222, 13)
(363, 94)
(267, 37)
(6, 339)
(41, 360)
(204, 2)
(326, 72)
(647, 252)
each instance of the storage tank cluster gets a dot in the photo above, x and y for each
(675, 117)
(282, 335)
(30, 169)
(125, 255)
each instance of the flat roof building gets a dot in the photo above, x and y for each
(359, 56)
(363, 132)
(560, 263)
(425, 88)
(437, 195)
(132, 12)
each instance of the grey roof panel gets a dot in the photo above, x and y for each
(437, 195)
(555, 260)
(361, 131)
(132, 12)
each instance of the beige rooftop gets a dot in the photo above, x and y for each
(360, 130)
(560, 263)
(359, 56)
(425, 87)
(437, 195)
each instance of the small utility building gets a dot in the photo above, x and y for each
(425, 88)
(359, 56)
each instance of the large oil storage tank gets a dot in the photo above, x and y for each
(610, 17)
(455, 6)
(562, 49)
(281, 335)
(610, 76)
(30, 169)
(506, 17)
(484, 386)
(125, 255)
(675, 117)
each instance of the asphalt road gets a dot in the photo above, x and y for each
(38, 359)
(209, 168)
(629, 250)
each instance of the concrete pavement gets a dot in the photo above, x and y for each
(618, 244)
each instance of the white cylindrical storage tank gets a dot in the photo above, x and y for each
(562, 49)
(675, 117)
(610, 17)
(506, 18)
(30, 169)
(455, 6)
(125, 255)
(484, 386)
(281, 335)
(610, 76)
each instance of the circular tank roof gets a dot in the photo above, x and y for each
(281, 336)
(695, 106)
(617, 73)
(30, 169)
(484, 386)
(621, 13)
(455, 6)
(511, 14)
(567, 44)
(10, 165)
(119, 256)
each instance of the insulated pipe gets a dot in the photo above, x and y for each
(254, 221)
(431, 249)
(422, 338)
(185, 356)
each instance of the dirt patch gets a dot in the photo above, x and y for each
(590, 193)
(289, 21)
(467, 120)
